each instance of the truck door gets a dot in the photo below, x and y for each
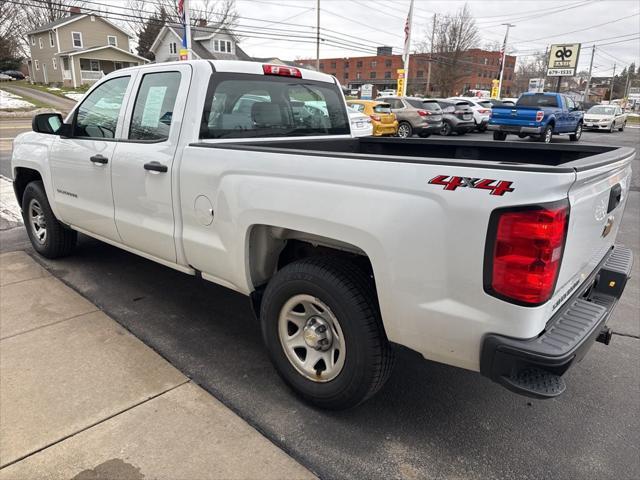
(142, 171)
(573, 115)
(81, 164)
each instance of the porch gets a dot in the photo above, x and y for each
(78, 69)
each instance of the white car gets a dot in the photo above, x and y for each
(481, 111)
(496, 259)
(605, 117)
(361, 124)
(5, 78)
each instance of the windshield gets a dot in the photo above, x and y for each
(250, 106)
(537, 101)
(485, 104)
(602, 110)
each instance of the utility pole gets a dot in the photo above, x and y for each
(318, 35)
(586, 90)
(613, 82)
(433, 36)
(407, 49)
(504, 57)
(626, 87)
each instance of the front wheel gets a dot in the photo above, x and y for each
(405, 130)
(322, 327)
(501, 136)
(575, 136)
(48, 236)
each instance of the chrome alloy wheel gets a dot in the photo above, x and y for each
(37, 222)
(579, 131)
(403, 130)
(548, 134)
(311, 338)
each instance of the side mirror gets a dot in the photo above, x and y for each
(49, 123)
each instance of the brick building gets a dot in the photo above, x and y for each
(478, 66)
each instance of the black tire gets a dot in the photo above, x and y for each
(522, 135)
(462, 132)
(575, 136)
(547, 135)
(424, 135)
(482, 128)
(350, 295)
(405, 130)
(500, 136)
(446, 129)
(59, 241)
(621, 129)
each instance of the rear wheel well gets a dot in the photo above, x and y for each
(272, 248)
(23, 177)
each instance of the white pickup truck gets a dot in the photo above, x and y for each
(497, 258)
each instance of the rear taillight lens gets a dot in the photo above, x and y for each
(375, 117)
(423, 113)
(459, 112)
(484, 111)
(524, 252)
(539, 116)
(281, 71)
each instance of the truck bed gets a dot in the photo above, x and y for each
(506, 156)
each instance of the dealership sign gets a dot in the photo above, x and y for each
(563, 60)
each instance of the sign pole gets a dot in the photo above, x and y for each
(318, 35)
(586, 90)
(407, 49)
(558, 85)
(503, 55)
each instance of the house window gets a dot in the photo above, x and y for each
(346, 64)
(374, 64)
(346, 75)
(358, 75)
(93, 19)
(372, 74)
(40, 41)
(95, 65)
(37, 63)
(112, 40)
(117, 65)
(77, 39)
(387, 63)
(54, 61)
(359, 64)
(65, 63)
(420, 73)
(333, 64)
(387, 74)
(51, 41)
(322, 66)
(33, 40)
(222, 46)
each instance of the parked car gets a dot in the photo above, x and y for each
(481, 112)
(361, 124)
(487, 259)
(5, 78)
(539, 116)
(457, 117)
(415, 115)
(386, 93)
(15, 74)
(383, 119)
(605, 117)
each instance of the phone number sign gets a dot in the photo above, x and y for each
(563, 60)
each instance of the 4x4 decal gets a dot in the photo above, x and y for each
(496, 187)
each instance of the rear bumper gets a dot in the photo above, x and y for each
(515, 129)
(568, 335)
(463, 126)
(429, 128)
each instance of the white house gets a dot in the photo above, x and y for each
(208, 42)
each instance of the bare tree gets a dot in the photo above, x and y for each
(535, 67)
(12, 50)
(35, 13)
(454, 35)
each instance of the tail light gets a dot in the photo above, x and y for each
(459, 112)
(524, 251)
(484, 111)
(281, 71)
(375, 117)
(423, 113)
(539, 115)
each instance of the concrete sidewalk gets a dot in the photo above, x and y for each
(82, 398)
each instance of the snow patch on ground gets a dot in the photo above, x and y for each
(54, 89)
(9, 101)
(74, 96)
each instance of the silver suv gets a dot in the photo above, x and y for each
(415, 115)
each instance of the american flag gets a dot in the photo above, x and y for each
(181, 8)
(182, 17)
(407, 34)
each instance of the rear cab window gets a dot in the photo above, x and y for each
(382, 108)
(253, 106)
(537, 101)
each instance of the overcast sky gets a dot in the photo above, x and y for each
(361, 24)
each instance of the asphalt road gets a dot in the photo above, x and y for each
(430, 421)
(62, 104)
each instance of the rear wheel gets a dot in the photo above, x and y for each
(446, 129)
(48, 236)
(499, 136)
(575, 136)
(547, 135)
(522, 135)
(424, 135)
(405, 130)
(322, 327)
(462, 132)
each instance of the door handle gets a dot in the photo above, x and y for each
(155, 167)
(99, 159)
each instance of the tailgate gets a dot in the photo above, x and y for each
(597, 200)
(514, 116)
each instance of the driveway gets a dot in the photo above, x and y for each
(62, 104)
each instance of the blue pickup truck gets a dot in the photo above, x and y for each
(539, 116)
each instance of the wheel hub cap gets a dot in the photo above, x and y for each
(317, 334)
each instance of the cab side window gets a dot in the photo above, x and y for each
(97, 116)
(153, 110)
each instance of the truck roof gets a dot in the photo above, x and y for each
(241, 66)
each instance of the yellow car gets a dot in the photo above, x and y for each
(383, 119)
